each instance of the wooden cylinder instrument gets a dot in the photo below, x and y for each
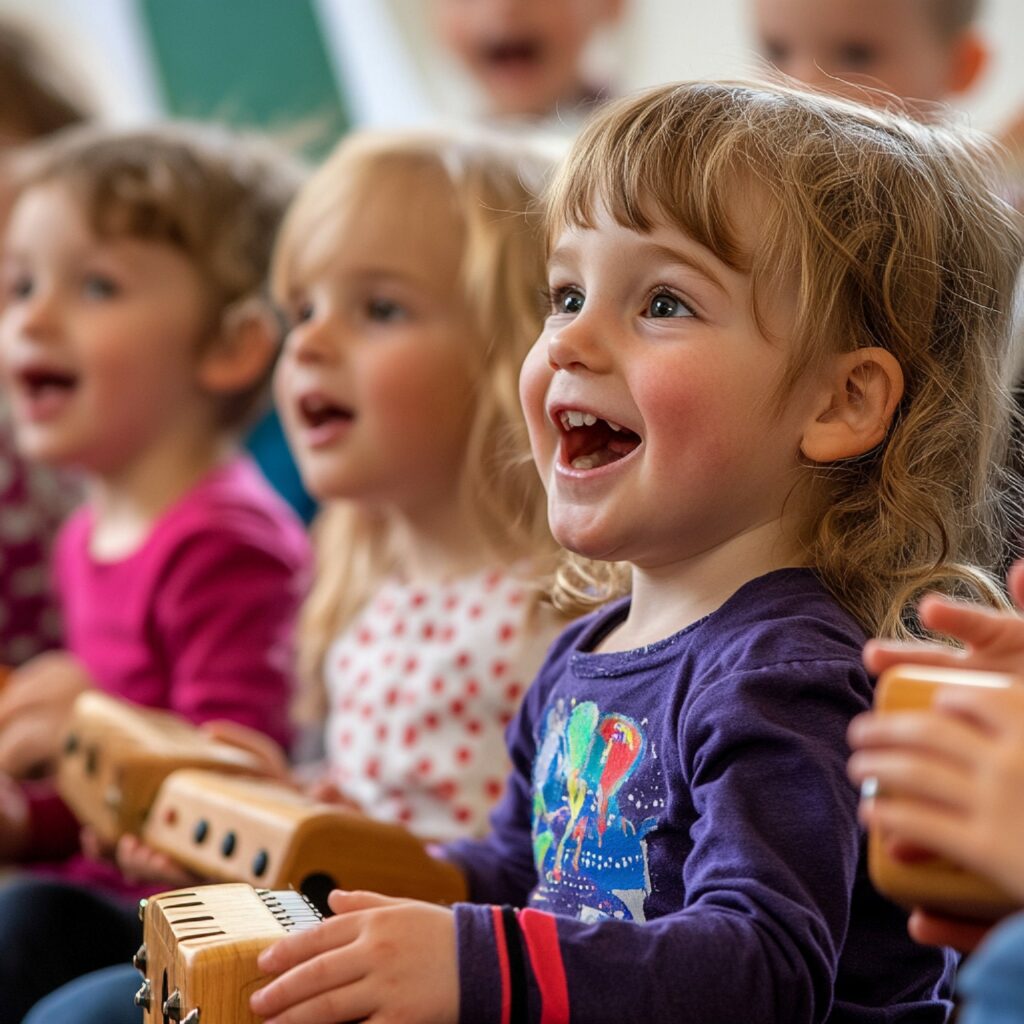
(115, 755)
(258, 831)
(927, 881)
(199, 950)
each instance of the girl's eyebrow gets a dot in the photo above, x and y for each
(690, 261)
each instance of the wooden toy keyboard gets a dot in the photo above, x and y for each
(115, 755)
(932, 882)
(232, 828)
(199, 950)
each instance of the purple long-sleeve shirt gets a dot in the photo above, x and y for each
(680, 829)
(198, 620)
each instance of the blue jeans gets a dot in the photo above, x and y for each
(103, 997)
(991, 983)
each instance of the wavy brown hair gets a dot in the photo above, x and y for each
(489, 187)
(891, 235)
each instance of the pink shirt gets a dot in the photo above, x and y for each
(199, 620)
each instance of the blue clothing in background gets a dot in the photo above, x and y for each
(991, 983)
(267, 445)
(680, 826)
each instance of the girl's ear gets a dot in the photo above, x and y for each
(244, 349)
(858, 399)
(968, 60)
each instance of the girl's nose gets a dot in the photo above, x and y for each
(37, 312)
(579, 345)
(309, 341)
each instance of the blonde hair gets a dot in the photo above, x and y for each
(488, 187)
(216, 196)
(891, 236)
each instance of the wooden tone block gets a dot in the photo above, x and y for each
(261, 832)
(198, 956)
(115, 755)
(933, 882)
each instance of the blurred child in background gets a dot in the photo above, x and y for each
(135, 344)
(410, 268)
(527, 57)
(759, 298)
(37, 98)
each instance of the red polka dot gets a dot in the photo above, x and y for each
(382, 731)
(430, 720)
(404, 814)
(398, 629)
(364, 636)
(492, 788)
(363, 678)
(391, 697)
(445, 790)
(462, 659)
(505, 717)
(506, 632)
(367, 711)
(492, 580)
(462, 814)
(411, 735)
(499, 668)
(513, 691)
(424, 766)
(418, 599)
(475, 611)
(411, 664)
(474, 726)
(427, 631)
(346, 703)
(463, 755)
(451, 601)
(387, 605)
(516, 597)
(345, 738)
(372, 768)
(472, 687)
(456, 707)
(389, 658)
(448, 633)
(344, 661)
(437, 684)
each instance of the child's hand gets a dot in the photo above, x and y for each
(930, 930)
(13, 819)
(950, 779)
(994, 641)
(326, 792)
(141, 863)
(34, 708)
(379, 958)
(274, 761)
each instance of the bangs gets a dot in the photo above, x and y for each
(665, 162)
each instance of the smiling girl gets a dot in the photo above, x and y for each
(742, 397)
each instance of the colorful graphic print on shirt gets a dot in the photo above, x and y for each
(594, 777)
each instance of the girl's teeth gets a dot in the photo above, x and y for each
(613, 426)
(589, 419)
(584, 462)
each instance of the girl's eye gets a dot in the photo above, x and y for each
(567, 300)
(301, 312)
(19, 286)
(663, 305)
(857, 56)
(99, 286)
(384, 310)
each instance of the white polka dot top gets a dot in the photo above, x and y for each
(421, 686)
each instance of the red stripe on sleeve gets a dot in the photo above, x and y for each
(540, 934)
(500, 943)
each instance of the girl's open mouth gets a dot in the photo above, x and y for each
(318, 411)
(589, 442)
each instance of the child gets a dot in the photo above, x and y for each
(923, 51)
(526, 57)
(135, 345)
(410, 268)
(971, 745)
(37, 98)
(759, 299)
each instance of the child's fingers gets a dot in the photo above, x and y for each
(350, 1003)
(315, 985)
(298, 947)
(342, 902)
(882, 654)
(997, 711)
(931, 732)
(930, 826)
(931, 930)
(913, 776)
(976, 626)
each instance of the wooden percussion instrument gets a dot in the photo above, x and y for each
(932, 882)
(258, 831)
(198, 956)
(115, 755)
